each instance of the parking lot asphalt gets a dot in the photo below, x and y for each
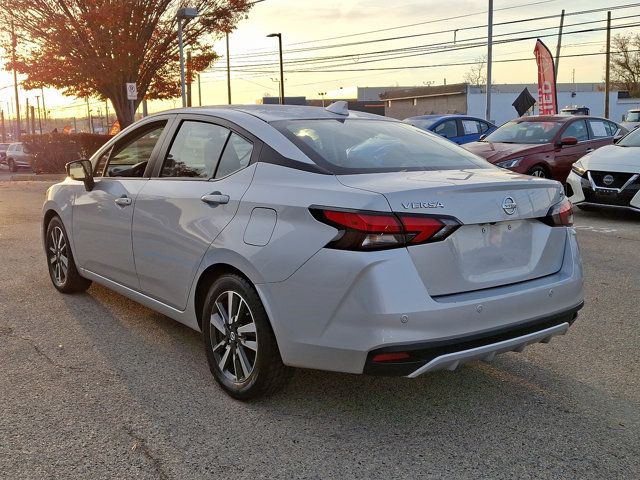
(97, 386)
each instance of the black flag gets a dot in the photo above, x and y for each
(524, 102)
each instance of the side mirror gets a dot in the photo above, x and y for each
(617, 138)
(81, 170)
(567, 142)
(482, 137)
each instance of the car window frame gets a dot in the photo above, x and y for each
(590, 131)
(126, 134)
(215, 120)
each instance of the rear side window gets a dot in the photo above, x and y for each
(599, 129)
(236, 156)
(195, 150)
(362, 146)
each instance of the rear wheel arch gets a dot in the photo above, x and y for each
(206, 279)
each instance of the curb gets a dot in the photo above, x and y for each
(33, 177)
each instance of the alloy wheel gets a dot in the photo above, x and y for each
(58, 256)
(233, 336)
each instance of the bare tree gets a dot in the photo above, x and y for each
(625, 63)
(477, 74)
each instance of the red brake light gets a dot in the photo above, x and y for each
(560, 215)
(377, 231)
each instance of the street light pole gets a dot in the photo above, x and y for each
(489, 61)
(185, 14)
(279, 35)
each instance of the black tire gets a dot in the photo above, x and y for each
(12, 165)
(538, 171)
(57, 250)
(231, 349)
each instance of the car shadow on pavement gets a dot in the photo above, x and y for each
(511, 415)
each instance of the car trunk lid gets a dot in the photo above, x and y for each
(501, 240)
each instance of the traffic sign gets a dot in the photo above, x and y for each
(132, 91)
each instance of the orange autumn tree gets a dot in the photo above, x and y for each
(91, 48)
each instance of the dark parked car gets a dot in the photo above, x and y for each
(457, 128)
(545, 146)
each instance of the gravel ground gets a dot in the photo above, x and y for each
(96, 386)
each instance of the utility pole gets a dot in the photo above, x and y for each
(14, 44)
(39, 117)
(3, 133)
(559, 43)
(89, 116)
(44, 109)
(489, 60)
(33, 120)
(26, 130)
(106, 112)
(228, 72)
(607, 73)
(188, 78)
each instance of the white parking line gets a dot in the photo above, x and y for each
(596, 229)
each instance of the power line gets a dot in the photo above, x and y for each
(403, 37)
(384, 54)
(443, 50)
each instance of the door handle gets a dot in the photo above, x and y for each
(123, 201)
(215, 198)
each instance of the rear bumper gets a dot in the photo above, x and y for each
(340, 306)
(450, 353)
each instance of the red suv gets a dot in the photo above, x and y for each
(545, 146)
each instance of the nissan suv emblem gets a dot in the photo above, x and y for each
(509, 205)
(608, 179)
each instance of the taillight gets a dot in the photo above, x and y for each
(560, 215)
(377, 231)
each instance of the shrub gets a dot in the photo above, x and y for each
(51, 151)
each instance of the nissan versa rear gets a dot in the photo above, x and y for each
(317, 238)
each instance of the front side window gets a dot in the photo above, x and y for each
(577, 129)
(447, 129)
(195, 150)
(130, 158)
(363, 146)
(236, 156)
(525, 131)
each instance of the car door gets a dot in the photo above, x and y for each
(447, 129)
(194, 193)
(567, 155)
(102, 217)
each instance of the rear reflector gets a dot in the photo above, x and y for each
(377, 231)
(391, 357)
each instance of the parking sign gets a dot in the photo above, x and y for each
(132, 91)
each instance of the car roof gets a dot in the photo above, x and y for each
(444, 115)
(558, 118)
(273, 113)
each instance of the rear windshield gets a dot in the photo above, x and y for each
(368, 146)
(525, 132)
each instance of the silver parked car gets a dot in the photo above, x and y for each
(17, 157)
(317, 238)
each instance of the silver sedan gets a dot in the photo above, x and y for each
(317, 238)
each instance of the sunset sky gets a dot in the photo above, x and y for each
(307, 25)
